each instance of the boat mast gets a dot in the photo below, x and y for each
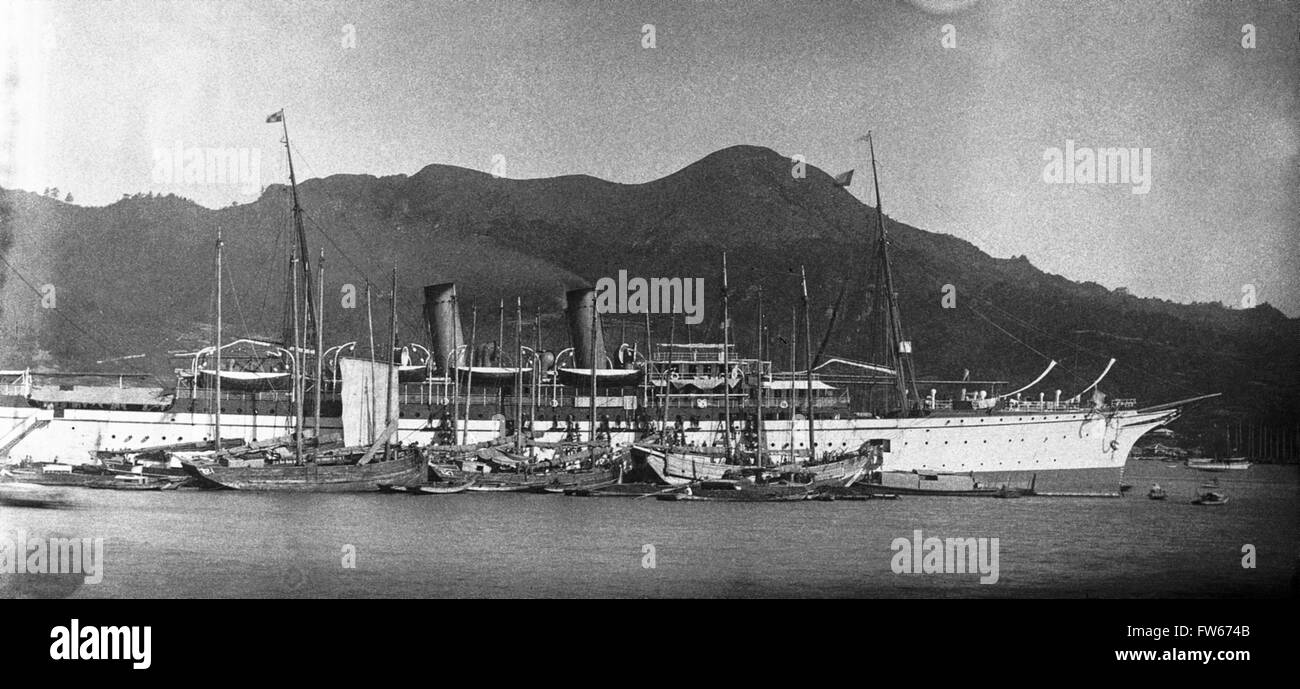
(537, 371)
(666, 376)
(519, 375)
(320, 340)
(807, 362)
(453, 370)
(392, 348)
(370, 323)
(759, 420)
(726, 360)
(498, 352)
(649, 363)
(370, 326)
(469, 377)
(218, 342)
(594, 355)
(299, 230)
(388, 365)
(297, 367)
(794, 336)
(900, 350)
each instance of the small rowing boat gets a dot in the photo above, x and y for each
(444, 488)
(18, 494)
(1209, 495)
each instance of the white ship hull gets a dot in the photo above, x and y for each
(989, 445)
(966, 444)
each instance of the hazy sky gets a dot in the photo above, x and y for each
(93, 92)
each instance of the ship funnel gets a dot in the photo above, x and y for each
(443, 317)
(581, 309)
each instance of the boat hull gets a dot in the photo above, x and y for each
(580, 378)
(1077, 452)
(439, 489)
(250, 382)
(786, 493)
(312, 478)
(15, 494)
(68, 479)
(990, 445)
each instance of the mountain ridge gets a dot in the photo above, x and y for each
(138, 271)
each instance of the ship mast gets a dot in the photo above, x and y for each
(807, 362)
(726, 363)
(388, 365)
(594, 356)
(499, 351)
(218, 342)
(304, 316)
(519, 375)
(320, 335)
(392, 348)
(298, 385)
(300, 232)
(370, 326)
(758, 423)
(535, 387)
(794, 336)
(666, 376)
(899, 348)
(469, 377)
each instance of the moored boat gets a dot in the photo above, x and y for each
(1215, 465)
(496, 485)
(864, 488)
(446, 488)
(739, 490)
(439, 488)
(1209, 494)
(563, 482)
(850, 494)
(53, 475)
(19, 494)
(137, 482)
(405, 466)
(617, 490)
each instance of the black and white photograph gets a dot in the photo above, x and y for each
(684, 299)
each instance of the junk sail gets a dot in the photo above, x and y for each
(370, 400)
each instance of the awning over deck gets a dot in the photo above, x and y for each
(105, 395)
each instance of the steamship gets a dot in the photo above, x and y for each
(688, 410)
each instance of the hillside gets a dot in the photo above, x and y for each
(135, 277)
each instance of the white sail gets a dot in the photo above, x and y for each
(370, 399)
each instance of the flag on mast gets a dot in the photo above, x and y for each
(277, 116)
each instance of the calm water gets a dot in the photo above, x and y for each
(231, 544)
